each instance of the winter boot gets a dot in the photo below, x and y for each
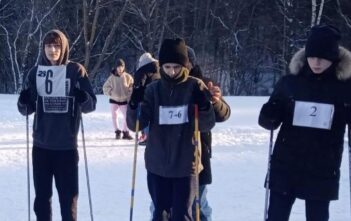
(118, 134)
(126, 136)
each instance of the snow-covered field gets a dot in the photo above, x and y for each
(240, 149)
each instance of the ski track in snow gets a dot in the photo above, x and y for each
(240, 149)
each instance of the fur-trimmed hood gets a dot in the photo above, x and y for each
(343, 69)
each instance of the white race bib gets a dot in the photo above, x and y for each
(51, 81)
(314, 115)
(53, 86)
(173, 115)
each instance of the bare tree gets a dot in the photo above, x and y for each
(316, 18)
(107, 41)
(346, 18)
(19, 51)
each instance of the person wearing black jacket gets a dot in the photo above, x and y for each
(147, 71)
(312, 107)
(58, 91)
(222, 113)
(167, 107)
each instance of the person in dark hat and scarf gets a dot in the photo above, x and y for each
(312, 106)
(167, 107)
(58, 91)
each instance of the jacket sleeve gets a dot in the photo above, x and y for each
(272, 112)
(145, 108)
(207, 119)
(107, 87)
(29, 83)
(222, 110)
(84, 84)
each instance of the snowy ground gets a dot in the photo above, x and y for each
(239, 161)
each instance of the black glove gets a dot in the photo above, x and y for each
(202, 98)
(80, 95)
(271, 114)
(25, 97)
(137, 96)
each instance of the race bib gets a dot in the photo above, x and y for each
(314, 115)
(173, 115)
(53, 86)
(51, 81)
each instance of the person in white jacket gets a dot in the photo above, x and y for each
(118, 87)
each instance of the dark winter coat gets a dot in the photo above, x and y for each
(57, 127)
(222, 113)
(306, 161)
(170, 149)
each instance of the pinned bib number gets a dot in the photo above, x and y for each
(52, 85)
(173, 115)
(51, 81)
(314, 115)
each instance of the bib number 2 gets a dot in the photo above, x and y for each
(314, 115)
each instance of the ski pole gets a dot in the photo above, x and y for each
(197, 161)
(86, 168)
(28, 172)
(349, 141)
(134, 164)
(268, 174)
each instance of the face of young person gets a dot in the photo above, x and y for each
(172, 69)
(318, 65)
(53, 52)
(120, 70)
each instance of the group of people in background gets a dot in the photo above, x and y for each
(166, 97)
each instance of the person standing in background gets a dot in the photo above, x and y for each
(118, 87)
(147, 71)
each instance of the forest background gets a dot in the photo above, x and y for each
(243, 45)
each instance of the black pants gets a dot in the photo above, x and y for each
(63, 166)
(280, 207)
(172, 194)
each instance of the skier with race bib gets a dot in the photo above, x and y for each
(167, 107)
(58, 91)
(312, 107)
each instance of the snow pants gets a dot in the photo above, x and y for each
(63, 166)
(280, 207)
(174, 194)
(114, 111)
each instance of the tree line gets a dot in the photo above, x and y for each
(243, 45)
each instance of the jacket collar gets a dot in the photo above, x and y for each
(343, 68)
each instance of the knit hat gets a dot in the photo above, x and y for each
(191, 55)
(120, 62)
(323, 42)
(145, 59)
(173, 51)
